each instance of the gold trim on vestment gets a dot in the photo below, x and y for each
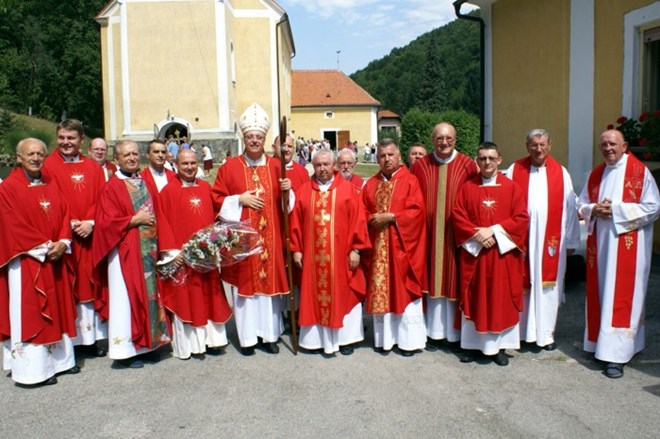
(378, 298)
(441, 205)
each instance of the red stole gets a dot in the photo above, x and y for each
(551, 242)
(633, 183)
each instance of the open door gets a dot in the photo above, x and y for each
(342, 138)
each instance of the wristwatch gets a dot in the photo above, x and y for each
(356, 251)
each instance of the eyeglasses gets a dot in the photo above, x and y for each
(487, 159)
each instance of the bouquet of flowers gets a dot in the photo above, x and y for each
(212, 247)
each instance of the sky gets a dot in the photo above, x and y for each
(363, 30)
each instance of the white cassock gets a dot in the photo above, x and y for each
(618, 345)
(489, 343)
(159, 177)
(259, 315)
(407, 330)
(31, 363)
(539, 316)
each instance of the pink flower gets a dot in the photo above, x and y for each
(621, 120)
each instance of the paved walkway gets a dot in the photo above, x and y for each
(546, 394)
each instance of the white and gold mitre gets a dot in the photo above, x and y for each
(254, 119)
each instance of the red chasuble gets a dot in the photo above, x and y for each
(491, 283)
(440, 184)
(182, 211)
(357, 182)
(298, 176)
(326, 226)
(113, 214)
(552, 240)
(148, 178)
(80, 184)
(32, 215)
(396, 267)
(262, 273)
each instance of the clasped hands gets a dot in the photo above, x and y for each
(56, 251)
(353, 260)
(82, 228)
(603, 209)
(484, 236)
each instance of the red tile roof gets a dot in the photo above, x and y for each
(322, 88)
(387, 113)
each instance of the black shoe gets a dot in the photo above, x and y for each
(432, 345)
(613, 370)
(49, 382)
(550, 347)
(130, 363)
(501, 359)
(406, 353)
(346, 350)
(269, 348)
(198, 357)
(381, 351)
(247, 351)
(150, 357)
(215, 350)
(97, 351)
(74, 370)
(467, 356)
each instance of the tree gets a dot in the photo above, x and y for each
(432, 91)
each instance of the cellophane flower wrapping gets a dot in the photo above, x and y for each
(215, 246)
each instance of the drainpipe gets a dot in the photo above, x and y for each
(482, 64)
(284, 19)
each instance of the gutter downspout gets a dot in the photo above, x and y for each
(482, 64)
(284, 19)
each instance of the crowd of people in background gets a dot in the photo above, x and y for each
(448, 253)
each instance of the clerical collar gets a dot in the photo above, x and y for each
(185, 183)
(389, 177)
(34, 181)
(447, 160)
(622, 161)
(259, 162)
(68, 159)
(323, 187)
(123, 174)
(289, 165)
(489, 181)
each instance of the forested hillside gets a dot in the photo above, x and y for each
(438, 71)
(50, 59)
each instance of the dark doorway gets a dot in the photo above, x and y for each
(176, 130)
(332, 138)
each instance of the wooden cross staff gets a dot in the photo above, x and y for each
(287, 246)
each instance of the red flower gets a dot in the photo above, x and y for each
(643, 116)
(621, 120)
(647, 156)
(656, 113)
(203, 244)
(643, 142)
(610, 127)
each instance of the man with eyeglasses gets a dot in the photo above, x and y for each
(346, 160)
(249, 188)
(441, 174)
(554, 233)
(490, 224)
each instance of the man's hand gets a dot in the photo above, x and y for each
(56, 251)
(251, 199)
(603, 209)
(297, 259)
(381, 220)
(483, 236)
(353, 260)
(285, 184)
(83, 229)
(142, 218)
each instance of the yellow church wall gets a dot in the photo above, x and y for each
(190, 62)
(310, 123)
(530, 36)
